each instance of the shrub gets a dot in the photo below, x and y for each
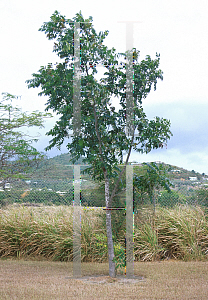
(48, 197)
(201, 197)
(9, 197)
(170, 199)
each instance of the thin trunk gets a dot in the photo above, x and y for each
(112, 269)
(108, 199)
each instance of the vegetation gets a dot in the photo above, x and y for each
(85, 106)
(17, 155)
(45, 187)
(201, 197)
(177, 233)
(171, 199)
(53, 179)
(154, 178)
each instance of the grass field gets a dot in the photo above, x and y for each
(36, 251)
(179, 233)
(46, 280)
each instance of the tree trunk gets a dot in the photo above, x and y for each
(112, 270)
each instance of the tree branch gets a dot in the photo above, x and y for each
(99, 139)
(96, 129)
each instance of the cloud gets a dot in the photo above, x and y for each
(189, 124)
(175, 29)
(188, 147)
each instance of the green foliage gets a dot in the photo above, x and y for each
(170, 199)
(101, 244)
(120, 257)
(9, 197)
(35, 197)
(100, 144)
(93, 197)
(201, 197)
(17, 155)
(153, 177)
(48, 197)
(98, 131)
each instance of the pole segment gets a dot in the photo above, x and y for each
(76, 131)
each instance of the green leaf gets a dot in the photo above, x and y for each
(17, 154)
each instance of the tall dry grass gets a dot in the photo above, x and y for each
(179, 233)
(47, 232)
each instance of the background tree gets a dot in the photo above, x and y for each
(154, 178)
(17, 155)
(102, 139)
(171, 199)
(201, 197)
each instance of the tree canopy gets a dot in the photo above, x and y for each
(17, 153)
(106, 140)
(154, 177)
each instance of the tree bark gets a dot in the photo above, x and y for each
(112, 269)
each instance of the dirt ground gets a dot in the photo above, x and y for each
(22, 279)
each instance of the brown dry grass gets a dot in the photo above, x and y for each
(21, 279)
(179, 233)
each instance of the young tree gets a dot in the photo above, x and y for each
(102, 139)
(17, 155)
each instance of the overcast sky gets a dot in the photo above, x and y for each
(178, 30)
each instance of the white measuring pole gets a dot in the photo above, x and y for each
(76, 131)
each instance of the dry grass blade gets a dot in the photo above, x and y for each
(180, 232)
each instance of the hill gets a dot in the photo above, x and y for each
(52, 182)
(58, 169)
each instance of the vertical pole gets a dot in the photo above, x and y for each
(129, 81)
(129, 223)
(76, 131)
(76, 224)
(76, 82)
(130, 133)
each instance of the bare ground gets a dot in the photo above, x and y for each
(22, 279)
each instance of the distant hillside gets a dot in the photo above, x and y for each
(58, 169)
(59, 166)
(64, 159)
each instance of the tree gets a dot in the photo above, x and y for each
(201, 197)
(17, 155)
(154, 178)
(102, 139)
(170, 199)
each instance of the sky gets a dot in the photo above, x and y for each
(178, 30)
